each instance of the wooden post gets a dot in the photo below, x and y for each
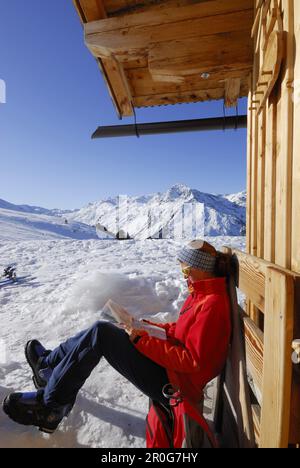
(277, 371)
(261, 182)
(285, 144)
(236, 384)
(296, 156)
(249, 166)
(270, 180)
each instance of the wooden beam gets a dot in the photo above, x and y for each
(277, 372)
(251, 277)
(254, 340)
(185, 57)
(120, 85)
(284, 158)
(90, 10)
(261, 183)
(121, 8)
(144, 84)
(249, 169)
(171, 13)
(179, 97)
(232, 92)
(270, 180)
(123, 42)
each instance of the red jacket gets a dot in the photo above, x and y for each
(197, 344)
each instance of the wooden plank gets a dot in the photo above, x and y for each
(251, 277)
(90, 10)
(261, 183)
(270, 180)
(256, 23)
(128, 7)
(139, 63)
(128, 41)
(271, 22)
(180, 97)
(262, 264)
(254, 340)
(277, 372)
(172, 13)
(270, 68)
(185, 57)
(254, 186)
(229, 434)
(285, 146)
(256, 412)
(296, 153)
(232, 92)
(249, 173)
(120, 85)
(236, 374)
(197, 80)
(144, 84)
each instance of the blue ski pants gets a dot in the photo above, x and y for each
(73, 362)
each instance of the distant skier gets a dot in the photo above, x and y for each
(10, 273)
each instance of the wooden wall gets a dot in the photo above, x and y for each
(273, 207)
(273, 144)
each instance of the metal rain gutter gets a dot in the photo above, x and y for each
(180, 126)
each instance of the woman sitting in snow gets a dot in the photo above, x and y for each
(193, 354)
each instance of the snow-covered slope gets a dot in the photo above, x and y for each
(25, 225)
(33, 209)
(181, 210)
(62, 288)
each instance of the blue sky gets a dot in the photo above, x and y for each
(55, 100)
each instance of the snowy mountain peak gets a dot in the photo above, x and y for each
(180, 211)
(178, 191)
(163, 214)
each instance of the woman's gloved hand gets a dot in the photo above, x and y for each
(133, 333)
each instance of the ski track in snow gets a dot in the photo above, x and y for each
(63, 284)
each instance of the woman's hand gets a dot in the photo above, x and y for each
(133, 332)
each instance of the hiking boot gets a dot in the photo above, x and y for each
(29, 409)
(35, 354)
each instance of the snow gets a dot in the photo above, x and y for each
(63, 284)
(33, 209)
(177, 213)
(145, 216)
(19, 225)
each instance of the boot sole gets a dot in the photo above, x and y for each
(34, 378)
(5, 407)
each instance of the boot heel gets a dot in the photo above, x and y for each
(47, 431)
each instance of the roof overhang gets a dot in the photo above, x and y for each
(157, 52)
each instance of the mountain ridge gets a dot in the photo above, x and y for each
(178, 212)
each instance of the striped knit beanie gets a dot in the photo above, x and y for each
(195, 255)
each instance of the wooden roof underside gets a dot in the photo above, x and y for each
(159, 52)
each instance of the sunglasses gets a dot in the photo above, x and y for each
(186, 272)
